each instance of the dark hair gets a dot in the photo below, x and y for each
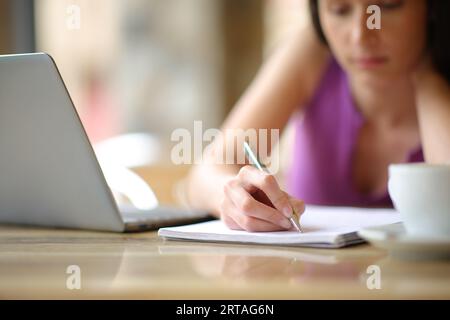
(437, 27)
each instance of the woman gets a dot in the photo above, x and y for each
(367, 98)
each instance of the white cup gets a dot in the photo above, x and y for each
(421, 193)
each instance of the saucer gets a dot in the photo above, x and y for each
(393, 237)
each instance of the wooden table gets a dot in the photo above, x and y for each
(34, 263)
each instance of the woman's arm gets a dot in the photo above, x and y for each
(433, 109)
(283, 84)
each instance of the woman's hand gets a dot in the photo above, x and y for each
(253, 201)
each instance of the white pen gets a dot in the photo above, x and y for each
(254, 160)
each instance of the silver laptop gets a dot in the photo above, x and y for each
(49, 174)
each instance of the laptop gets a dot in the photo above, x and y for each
(49, 174)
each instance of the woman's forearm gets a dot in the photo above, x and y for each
(433, 109)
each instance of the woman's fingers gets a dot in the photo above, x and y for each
(297, 205)
(240, 210)
(228, 220)
(251, 224)
(234, 219)
(250, 207)
(251, 177)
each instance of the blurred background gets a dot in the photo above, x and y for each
(138, 69)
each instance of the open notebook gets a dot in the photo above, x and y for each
(328, 227)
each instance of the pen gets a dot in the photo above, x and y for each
(254, 160)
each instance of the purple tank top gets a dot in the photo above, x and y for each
(325, 139)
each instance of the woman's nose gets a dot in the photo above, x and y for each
(362, 34)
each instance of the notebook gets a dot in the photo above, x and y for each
(327, 227)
